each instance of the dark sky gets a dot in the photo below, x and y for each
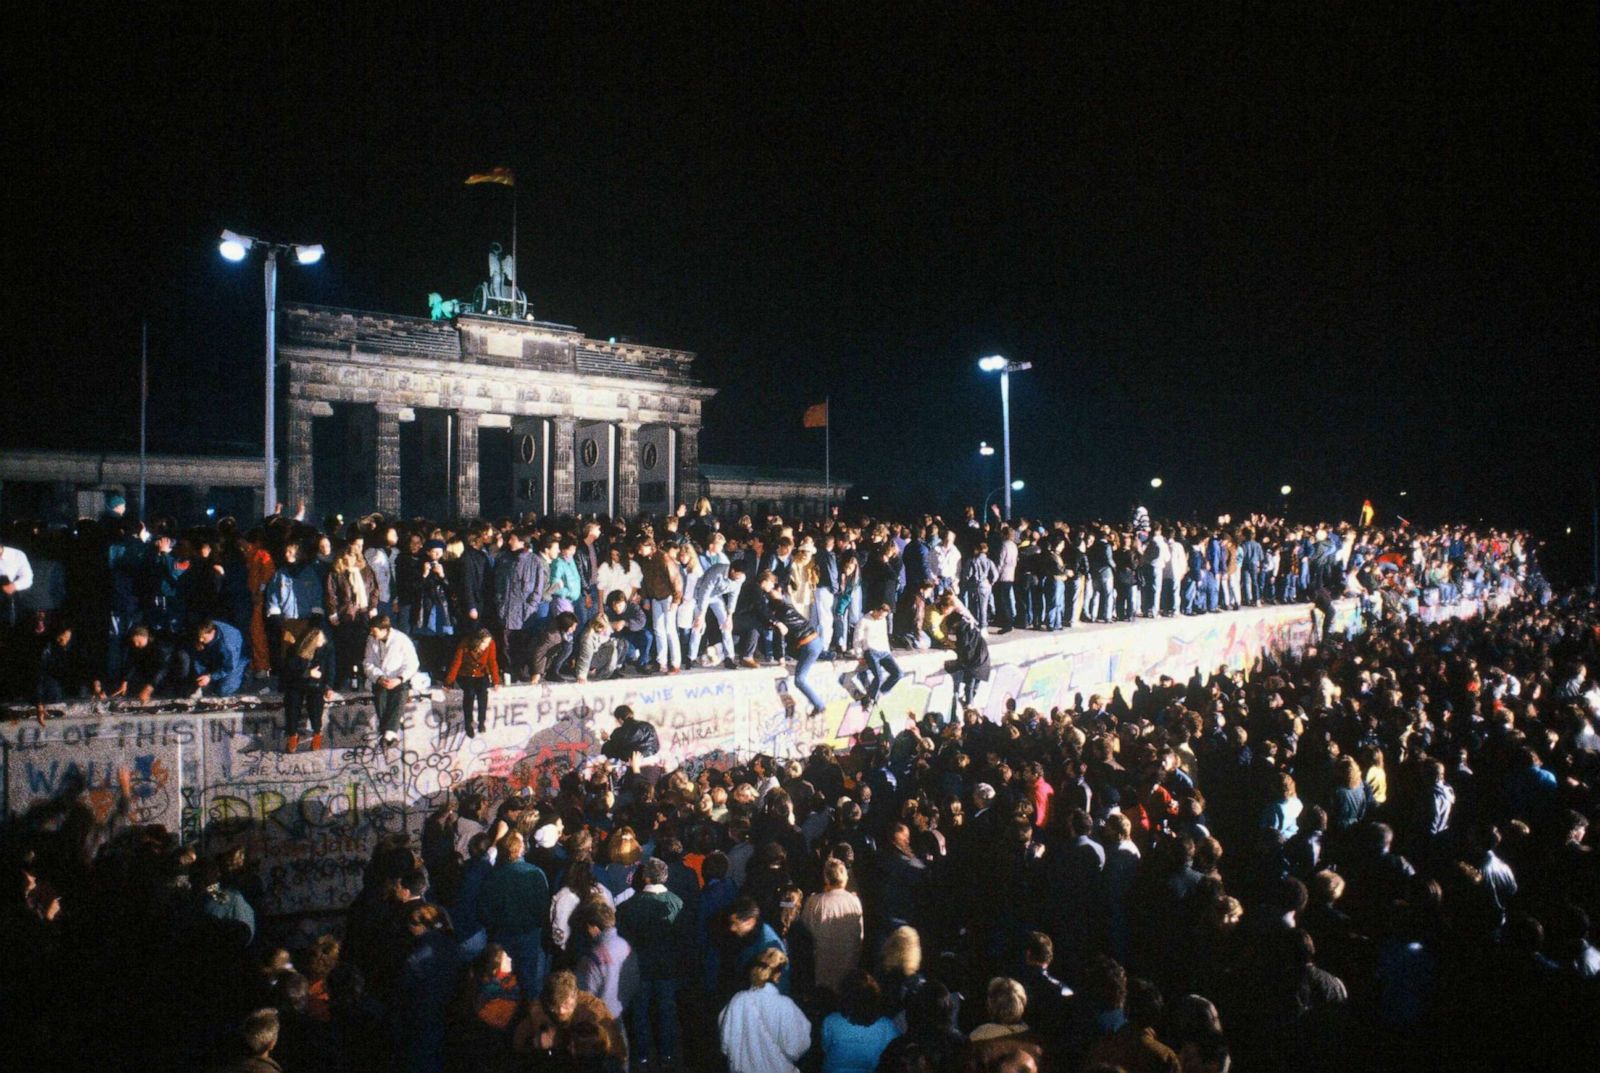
(1242, 244)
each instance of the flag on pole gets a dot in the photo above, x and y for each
(503, 176)
(1366, 513)
(816, 416)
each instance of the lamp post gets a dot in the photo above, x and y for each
(1007, 488)
(236, 247)
(994, 363)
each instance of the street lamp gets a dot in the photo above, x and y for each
(985, 449)
(1014, 486)
(1155, 482)
(995, 363)
(236, 247)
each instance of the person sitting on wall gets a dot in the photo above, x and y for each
(390, 664)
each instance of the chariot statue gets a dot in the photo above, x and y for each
(498, 296)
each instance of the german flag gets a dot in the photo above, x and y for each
(503, 176)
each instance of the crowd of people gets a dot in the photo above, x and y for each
(1376, 854)
(132, 613)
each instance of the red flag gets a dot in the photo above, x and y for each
(816, 416)
(503, 176)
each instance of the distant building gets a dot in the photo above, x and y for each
(482, 415)
(752, 490)
(59, 487)
(473, 416)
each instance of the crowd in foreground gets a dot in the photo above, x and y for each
(1374, 855)
(129, 613)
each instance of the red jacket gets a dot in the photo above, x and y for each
(473, 664)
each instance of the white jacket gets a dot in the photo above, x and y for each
(763, 1031)
(394, 658)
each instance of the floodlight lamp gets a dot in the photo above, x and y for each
(233, 246)
(985, 450)
(992, 364)
(1017, 486)
(308, 255)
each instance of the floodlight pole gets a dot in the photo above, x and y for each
(269, 485)
(144, 407)
(997, 364)
(1005, 435)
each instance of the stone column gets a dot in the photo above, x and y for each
(64, 498)
(387, 445)
(464, 481)
(628, 468)
(686, 479)
(563, 467)
(299, 484)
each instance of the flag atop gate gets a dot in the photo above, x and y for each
(503, 176)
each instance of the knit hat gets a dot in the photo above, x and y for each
(113, 501)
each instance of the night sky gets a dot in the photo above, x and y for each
(1242, 244)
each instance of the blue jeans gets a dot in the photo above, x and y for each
(878, 682)
(640, 646)
(716, 611)
(844, 623)
(1055, 602)
(1005, 603)
(660, 999)
(669, 650)
(1103, 586)
(822, 617)
(805, 658)
(1191, 594)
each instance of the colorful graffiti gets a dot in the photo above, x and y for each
(311, 819)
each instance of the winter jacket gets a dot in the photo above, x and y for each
(515, 596)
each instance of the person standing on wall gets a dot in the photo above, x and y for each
(477, 670)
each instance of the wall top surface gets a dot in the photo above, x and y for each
(477, 340)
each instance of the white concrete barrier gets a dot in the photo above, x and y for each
(311, 819)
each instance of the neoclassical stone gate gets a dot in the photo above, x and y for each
(407, 415)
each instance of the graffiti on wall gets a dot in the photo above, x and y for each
(311, 819)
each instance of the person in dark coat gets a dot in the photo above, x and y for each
(971, 663)
(632, 737)
(146, 666)
(308, 674)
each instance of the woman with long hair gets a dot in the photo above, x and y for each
(846, 603)
(580, 885)
(308, 674)
(350, 597)
(762, 1030)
